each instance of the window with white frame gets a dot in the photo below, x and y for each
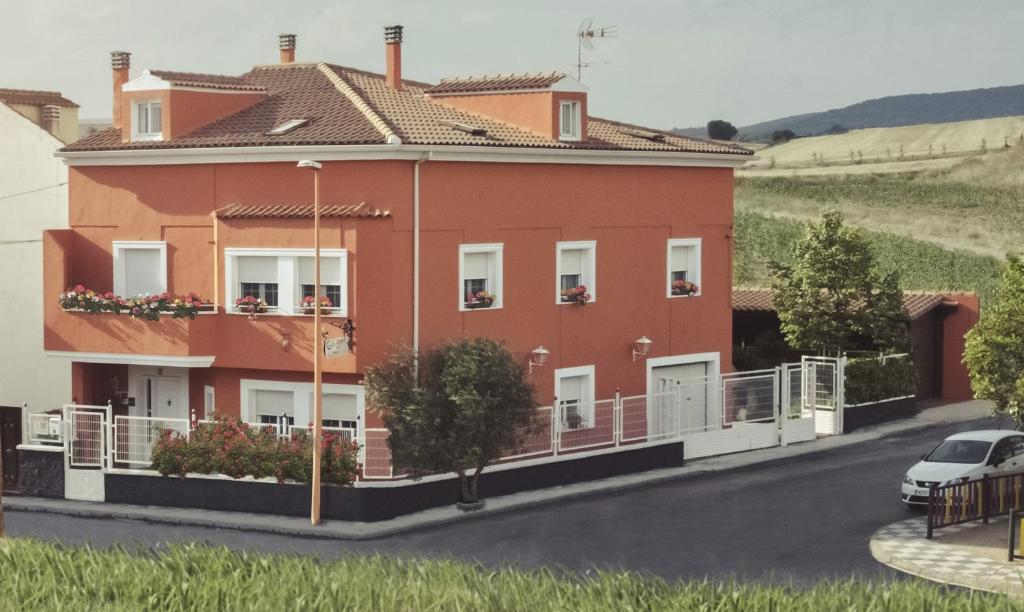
(272, 406)
(340, 410)
(574, 391)
(265, 401)
(140, 268)
(330, 282)
(569, 124)
(284, 277)
(480, 271)
(575, 268)
(146, 120)
(683, 267)
(209, 403)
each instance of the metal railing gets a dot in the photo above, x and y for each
(134, 437)
(974, 500)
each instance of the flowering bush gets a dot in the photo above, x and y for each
(309, 304)
(480, 299)
(250, 305)
(576, 294)
(148, 307)
(237, 449)
(681, 287)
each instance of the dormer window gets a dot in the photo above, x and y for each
(146, 120)
(569, 122)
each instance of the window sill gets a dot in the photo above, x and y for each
(274, 313)
(692, 295)
(147, 137)
(465, 308)
(574, 303)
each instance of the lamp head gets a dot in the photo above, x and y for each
(308, 163)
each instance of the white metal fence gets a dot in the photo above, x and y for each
(712, 415)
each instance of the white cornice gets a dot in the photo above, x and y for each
(170, 361)
(450, 153)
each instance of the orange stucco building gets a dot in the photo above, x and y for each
(473, 207)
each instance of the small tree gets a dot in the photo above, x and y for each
(994, 350)
(832, 295)
(721, 130)
(779, 136)
(454, 408)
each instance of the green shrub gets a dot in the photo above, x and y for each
(43, 576)
(873, 379)
(236, 449)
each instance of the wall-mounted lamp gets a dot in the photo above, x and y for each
(286, 341)
(538, 357)
(641, 347)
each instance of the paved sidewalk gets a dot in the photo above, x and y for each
(971, 555)
(350, 530)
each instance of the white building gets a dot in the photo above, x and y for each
(33, 196)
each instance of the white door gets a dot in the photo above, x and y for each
(681, 399)
(160, 398)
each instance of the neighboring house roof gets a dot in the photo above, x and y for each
(209, 81)
(498, 82)
(345, 106)
(32, 97)
(361, 210)
(916, 303)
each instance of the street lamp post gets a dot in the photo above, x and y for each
(314, 512)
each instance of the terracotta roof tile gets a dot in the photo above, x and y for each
(209, 81)
(916, 303)
(498, 82)
(34, 97)
(301, 211)
(351, 107)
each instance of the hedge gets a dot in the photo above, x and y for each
(873, 379)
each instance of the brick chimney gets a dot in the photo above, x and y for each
(51, 118)
(393, 40)
(287, 44)
(120, 62)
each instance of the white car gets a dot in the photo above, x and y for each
(962, 457)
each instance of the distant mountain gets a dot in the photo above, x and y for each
(892, 111)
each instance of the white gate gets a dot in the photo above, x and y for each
(86, 451)
(796, 414)
(823, 380)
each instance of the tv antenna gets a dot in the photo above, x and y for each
(585, 36)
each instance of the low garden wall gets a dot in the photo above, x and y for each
(378, 503)
(41, 471)
(865, 415)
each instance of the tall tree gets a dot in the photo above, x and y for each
(721, 130)
(832, 296)
(994, 350)
(454, 408)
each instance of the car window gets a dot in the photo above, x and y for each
(1018, 445)
(959, 451)
(1002, 451)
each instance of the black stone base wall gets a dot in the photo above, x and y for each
(376, 503)
(879, 412)
(41, 473)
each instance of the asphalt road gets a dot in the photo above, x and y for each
(799, 519)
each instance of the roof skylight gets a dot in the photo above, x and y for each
(287, 126)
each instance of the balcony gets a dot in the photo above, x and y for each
(270, 341)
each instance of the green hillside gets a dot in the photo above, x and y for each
(977, 205)
(922, 266)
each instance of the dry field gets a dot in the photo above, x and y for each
(891, 147)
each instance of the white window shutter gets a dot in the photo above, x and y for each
(572, 261)
(476, 265)
(330, 271)
(256, 269)
(142, 271)
(337, 406)
(680, 259)
(273, 403)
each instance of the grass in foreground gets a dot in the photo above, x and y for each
(41, 576)
(922, 265)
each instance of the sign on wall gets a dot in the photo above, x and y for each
(334, 347)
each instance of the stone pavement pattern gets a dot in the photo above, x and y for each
(948, 557)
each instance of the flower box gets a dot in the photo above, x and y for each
(308, 305)
(148, 307)
(250, 305)
(481, 299)
(684, 288)
(577, 295)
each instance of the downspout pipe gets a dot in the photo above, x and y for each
(416, 251)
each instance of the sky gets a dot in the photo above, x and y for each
(673, 64)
